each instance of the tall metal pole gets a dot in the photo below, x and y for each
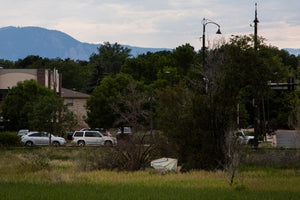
(255, 28)
(203, 45)
(257, 121)
(151, 113)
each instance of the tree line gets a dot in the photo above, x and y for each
(195, 108)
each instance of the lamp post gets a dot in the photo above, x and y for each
(204, 23)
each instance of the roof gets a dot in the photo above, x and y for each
(66, 93)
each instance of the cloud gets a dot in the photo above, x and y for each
(155, 23)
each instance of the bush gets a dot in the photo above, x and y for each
(136, 152)
(9, 139)
(130, 154)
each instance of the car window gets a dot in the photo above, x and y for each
(35, 135)
(91, 134)
(78, 134)
(44, 134)
(98, 134)
(102, 131)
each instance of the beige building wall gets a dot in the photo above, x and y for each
(45, 77)
(76, 102)
(10, 78)
(78, 108)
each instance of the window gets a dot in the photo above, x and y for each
(91, 134)
(70, 102)
(44, 134)
(78, 134)
(35, 135)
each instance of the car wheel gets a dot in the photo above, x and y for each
(29, 144)
(108, 143)
(55, 143)
(81, 143)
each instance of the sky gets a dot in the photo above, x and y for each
(158, 23)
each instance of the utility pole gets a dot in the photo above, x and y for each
(257, 121)
(255, 28)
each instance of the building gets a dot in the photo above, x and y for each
(76, 103)
(45, 77)
(51, 79)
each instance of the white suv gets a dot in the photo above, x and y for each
(93, 138)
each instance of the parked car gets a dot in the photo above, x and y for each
(41, 138)
(92, 138)
(244, 139)
(23, 132)
(127, 130)
(125, 135)
(101, 130)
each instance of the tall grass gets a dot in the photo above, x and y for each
(63, 179)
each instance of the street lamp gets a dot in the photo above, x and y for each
(204, 23)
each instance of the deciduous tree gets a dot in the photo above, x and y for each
(99, 112)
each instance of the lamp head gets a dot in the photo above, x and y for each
(219, 31)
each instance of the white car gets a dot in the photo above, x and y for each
(23, 132)
(93, 138)
(245, 139)
(41, 138)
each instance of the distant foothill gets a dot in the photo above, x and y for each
(20, 42)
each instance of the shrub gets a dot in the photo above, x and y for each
(130, 154)
(9, 139)
(136, 152)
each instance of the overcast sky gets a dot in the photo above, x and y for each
(157, 23)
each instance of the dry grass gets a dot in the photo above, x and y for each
(67, 171)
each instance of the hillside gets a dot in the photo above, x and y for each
(296, 52)
(19, 42)
(16, 43)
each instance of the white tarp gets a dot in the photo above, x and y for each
(164, 164)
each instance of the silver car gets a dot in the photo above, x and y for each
(23, 132)
(41, 138)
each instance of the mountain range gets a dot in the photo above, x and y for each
(20, 42)
(295, 52)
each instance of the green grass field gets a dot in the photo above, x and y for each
(54, 173)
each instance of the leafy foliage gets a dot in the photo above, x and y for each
(146, 67)
(30, 105)
(9, 139)
(51, 115)
(20, 100)
(98, 105)
(109, 60)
